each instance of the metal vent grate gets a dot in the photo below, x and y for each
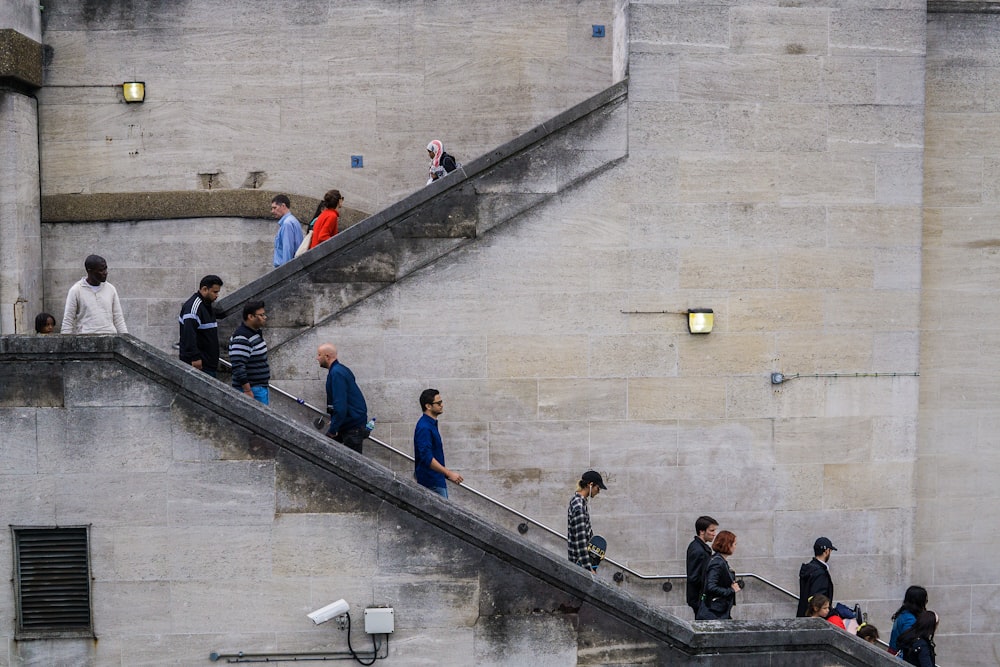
(52, 569)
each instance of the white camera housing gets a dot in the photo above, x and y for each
(332, 610)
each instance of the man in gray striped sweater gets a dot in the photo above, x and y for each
(248, 353)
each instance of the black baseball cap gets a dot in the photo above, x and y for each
(822, 544)
(592, 476)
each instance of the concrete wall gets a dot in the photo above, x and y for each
(216, 527)
(20, 245)
(774, 174)
(281, 96)
(956, 476)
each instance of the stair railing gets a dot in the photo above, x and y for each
(526, 520)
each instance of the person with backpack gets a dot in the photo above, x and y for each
(916, 645)
(442, 164)
(914, 604)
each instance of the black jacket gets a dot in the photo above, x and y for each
(814, 577)
(199, 333)
(719, 594)
(697, 558)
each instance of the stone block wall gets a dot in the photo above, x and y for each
(282, 96)
(958, 464)
(775, 175)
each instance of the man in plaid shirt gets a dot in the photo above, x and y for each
(579, 531)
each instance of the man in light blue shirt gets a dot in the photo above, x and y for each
(289, 236)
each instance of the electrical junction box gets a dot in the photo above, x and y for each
(379, 620)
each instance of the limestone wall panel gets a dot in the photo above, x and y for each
(874, 225)
(582, 399)
(899, 178)
(537, 356)
(738, 354)
(818, 440)
(560, 444)
(634, 444)
(302, 548)
(105, 440)
(864, 31)
(772, 310)
(780, 30)
(196, 491)
(84, 498)
(900, 81)
(721, 442)
(28, 499)
(655, 26)
(18, 441)
(633, 355)
(676, 398)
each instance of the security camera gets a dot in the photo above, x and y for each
(332, 610)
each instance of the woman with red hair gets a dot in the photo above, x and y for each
(721, 587)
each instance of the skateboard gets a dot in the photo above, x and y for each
(596, 549)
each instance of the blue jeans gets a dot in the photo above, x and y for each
(440, 490)
(259, 393)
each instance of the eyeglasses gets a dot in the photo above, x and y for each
(437, 402)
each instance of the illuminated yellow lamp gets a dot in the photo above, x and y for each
(700, 320)
(134, 91)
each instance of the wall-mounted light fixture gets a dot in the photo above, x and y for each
(700, 320)
(134, 91)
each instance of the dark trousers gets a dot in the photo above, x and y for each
(352, 438)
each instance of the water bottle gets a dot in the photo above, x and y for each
(370, 425)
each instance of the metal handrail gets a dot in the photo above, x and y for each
(522, 515)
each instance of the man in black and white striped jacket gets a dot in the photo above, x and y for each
(248, 353)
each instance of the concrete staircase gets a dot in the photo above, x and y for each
(450, 213)
(516, 587)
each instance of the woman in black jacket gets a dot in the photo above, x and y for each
(721, 587)
(916, 645)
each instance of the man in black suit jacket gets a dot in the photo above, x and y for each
(698, 554)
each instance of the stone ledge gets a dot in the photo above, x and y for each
(20, 60)
(963, 7)
(177, 204)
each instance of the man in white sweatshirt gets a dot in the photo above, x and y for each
(92, 305)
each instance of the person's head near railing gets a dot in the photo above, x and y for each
(724, 543)
(868, 632)
(819, 606)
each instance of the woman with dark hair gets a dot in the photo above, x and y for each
(916, 645)
(914, 604)
(721, 587)
(326, 224)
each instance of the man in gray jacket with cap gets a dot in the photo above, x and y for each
(814, 576)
